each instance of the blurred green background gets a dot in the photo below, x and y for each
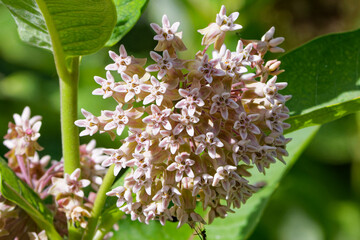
(318, 199)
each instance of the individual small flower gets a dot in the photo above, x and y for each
(69, 184)
(141, 137)
(263, 156)
(38, 236)
(79, 215)
(163, 63)
(166, 194)
(120, 118)
(226, 23)
(244, 124)
(123, 62)
(168, 36)
(186, 121)
(241, 151)
(208, 69)
(170, 141)
(215, 32)
(117, 157)
(244, 54)
(91, 123)
(271, 90)
(158, 119)
(222, 174)
(191, 99)
(107, 85)
(132, 86)
(208, 141)
(269, 42)
(122, 193)
(182, 165)
(222, 102)
(156, 89)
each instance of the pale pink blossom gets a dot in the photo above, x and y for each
(186, 121)
(191, 99)
(156, 89)
(158, 119)
(182, 165)
(209, 141)
(91, 123)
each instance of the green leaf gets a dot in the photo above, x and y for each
(16, 191)
(239, 225)
(324, 79)
(76, 27)
(128, 12)
(134, 230)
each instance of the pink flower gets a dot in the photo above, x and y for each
(208, 141)
(222, 102)
(156, 90)
(191, 99)
(132, 86)
(91, 123)
(107, 86)
(244, 124)
(121, 62)
(186, 121)
(167, 35)
(170, 141)
(182, 165)
(117, 157)
(215, 32)
(163, 64)
(157, 119)
(208, 69)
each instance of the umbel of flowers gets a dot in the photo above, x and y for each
(201, 124)
(46, 178)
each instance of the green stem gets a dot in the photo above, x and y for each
(52, 233)
(99, 203)
(69, 132)
(69, 77)
(106, 226)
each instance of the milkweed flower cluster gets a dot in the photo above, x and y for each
(201, 125)
(46, 178)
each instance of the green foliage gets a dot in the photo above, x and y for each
(128, 13)
(324, 79)
(16, 191)
(76, 27)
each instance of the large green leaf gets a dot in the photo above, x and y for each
(76, 27)
(324, 79)
(128, 12)
(16, 191)
(240, 224)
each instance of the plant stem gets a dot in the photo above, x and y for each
(52, 233)
(69, 132)
(69, 78)
(99, 203)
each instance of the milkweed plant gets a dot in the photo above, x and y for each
(194, 129)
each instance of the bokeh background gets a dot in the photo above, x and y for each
(318, 199)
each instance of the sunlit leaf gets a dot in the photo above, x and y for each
(76, 27)
(324, 79)
(128, 12)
